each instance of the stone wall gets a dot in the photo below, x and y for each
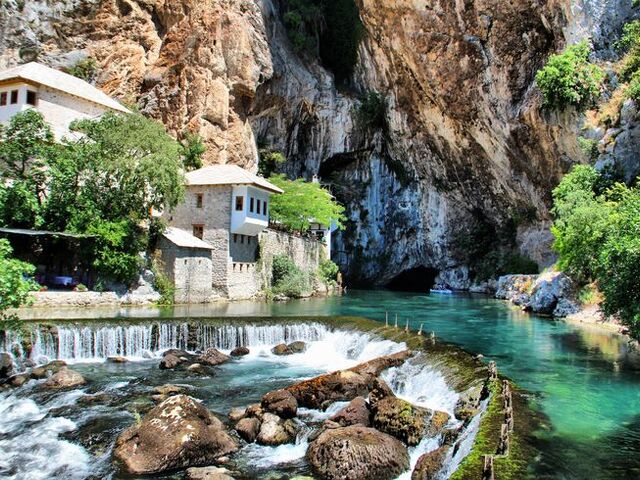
(190, 270)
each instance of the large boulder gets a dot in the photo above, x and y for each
(357, 452)
(65, 378)
(280, 402)
(401, 419)
(356, 413)
(170, 361)
(297, 347)
(6, 365)
(212, 357)
(379, 390)
(178, 433)
(276, 431)
(344, 385)
(430, 464)
(239, 352)
(248, 429)
(281, 349)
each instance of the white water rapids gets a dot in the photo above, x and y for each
(39, 425)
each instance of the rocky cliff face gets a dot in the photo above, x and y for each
(464, 147)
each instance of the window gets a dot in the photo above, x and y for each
(239, 203)
(31, 98)
(235, 238)
(198, 200)
(241, 239)
(258, 207)
(14, 97)
(198, 231)
(3, 99)
(264, 208)
(251, 204)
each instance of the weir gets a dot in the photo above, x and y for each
(97, 342)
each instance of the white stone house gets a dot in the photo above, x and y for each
(60, 98)
(227, 208)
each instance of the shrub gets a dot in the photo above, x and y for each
(287, 278)
(81, 288)
(589, 147)
(269, 161)
(162, 284)
(569, 79)
(86, 69)
(15, 287)
(192, 149)
(281, 267)
(328, 272)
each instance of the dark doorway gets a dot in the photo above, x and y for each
(419, 279)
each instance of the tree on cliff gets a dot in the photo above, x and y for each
(303, 203)
(597, 234)
(103, 184)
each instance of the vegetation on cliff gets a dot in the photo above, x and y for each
(331, 30)
(630, 72)
(597, 232)
(103, 184)
(570, 79)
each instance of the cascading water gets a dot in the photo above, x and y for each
(327, 350)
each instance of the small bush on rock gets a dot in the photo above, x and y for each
(328, 272)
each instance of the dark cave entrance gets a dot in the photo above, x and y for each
(419, 279)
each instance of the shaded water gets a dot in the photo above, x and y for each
(586, 382)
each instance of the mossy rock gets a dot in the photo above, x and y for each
(401, 419)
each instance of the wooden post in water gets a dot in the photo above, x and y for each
(487, 471)
(493, 370)
(406, 327)
(420, 331)
(396, 321)
(386, 319)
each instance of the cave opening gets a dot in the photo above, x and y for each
(418, 279)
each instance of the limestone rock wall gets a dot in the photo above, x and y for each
(464, 139)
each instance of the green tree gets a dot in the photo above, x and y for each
(570, 79)
(192, 149)
(303, 203)
(597, 236)
(269, 161)
(14, 283)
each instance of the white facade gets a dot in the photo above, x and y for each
(59, 97)
(249, 210)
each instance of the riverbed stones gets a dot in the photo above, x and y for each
(237, 413)
(208, 473)
(276, 431)
(248, 429)
(297, 347)
(170, 361)
(280, 402)
(65, 378)
(116, 359)
(281, 349)
(401, 419)
(6, 365)
(178, 433)
(379, 390)
(44, 371)
(239, 352)
(343, 385)
(437, 422)
(212, 357)
(356, 413)
(359, 453)
(430, 464)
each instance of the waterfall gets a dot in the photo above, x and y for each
(97, 342)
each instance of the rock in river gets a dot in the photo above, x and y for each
(65, 378)
(430, 464)
(276, 431)
(178, 433)
(280, 402)
(357, 453)
(213, 357)
(6, 365)
(248, 429)
(401, 419)
(239, 352)
(208, 473)
(356, 413)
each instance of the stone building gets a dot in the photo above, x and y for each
(59, 97)
(225, 207)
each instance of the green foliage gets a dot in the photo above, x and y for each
(86, 69)
(14, 284)
(371, 112)
(287, 279)
(269, 161)
(597, 235)
(192, 149)
(630, 43)
(104, 184)
(569, 79)
(163, 284)
(331, 30)
(328, 272)
(589, 147)
(303, 203)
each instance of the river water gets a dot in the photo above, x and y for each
(586, 382)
